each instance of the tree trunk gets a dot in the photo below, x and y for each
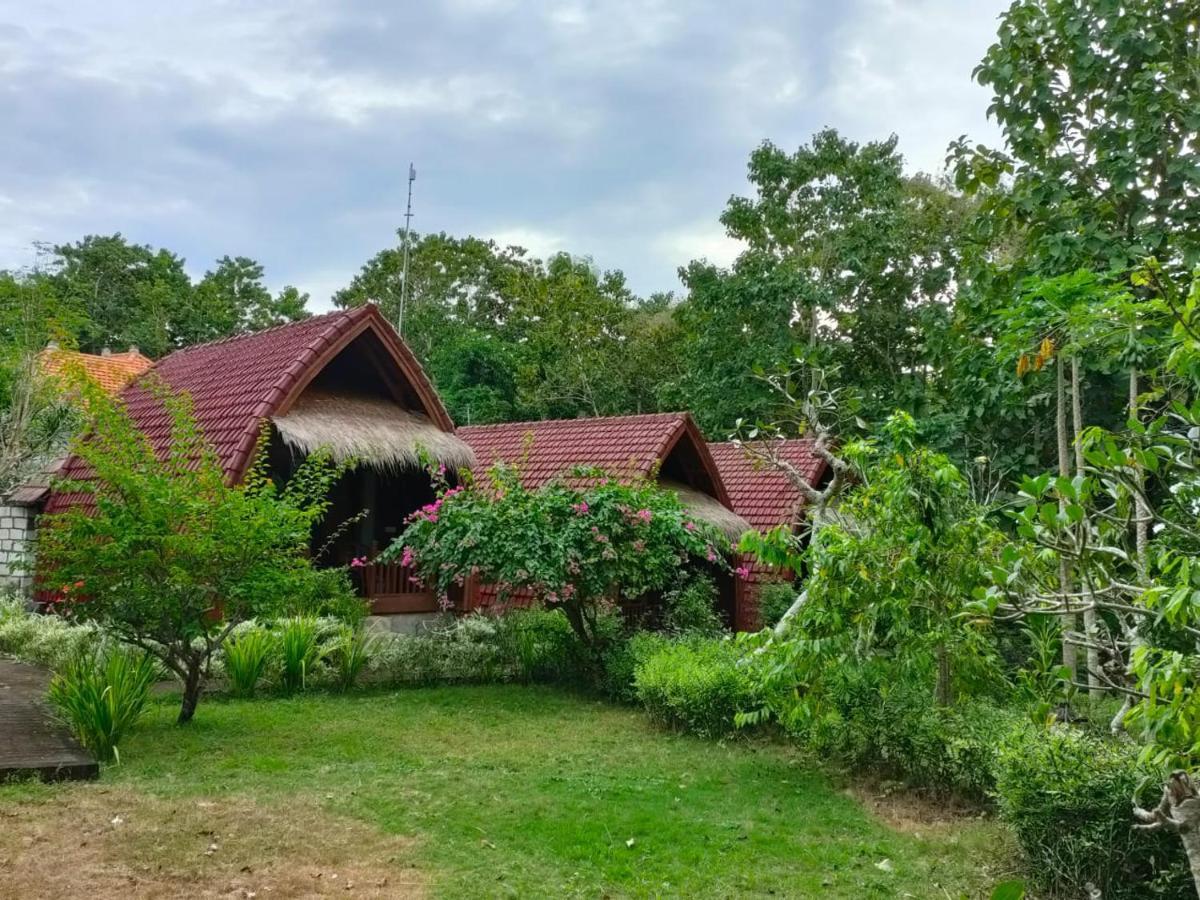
(1090, 619)
(1064, 469)
(1178, 811)
(192, 683)
(1142, 523)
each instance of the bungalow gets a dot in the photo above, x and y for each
(765, 498)
(665, 445)
(344, 381)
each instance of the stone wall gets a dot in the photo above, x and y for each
(16, 544)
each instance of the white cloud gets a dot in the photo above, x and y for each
(280, 129)
(540, 243)
(904, 67)
(708, 242)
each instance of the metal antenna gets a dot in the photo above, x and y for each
(412, 176)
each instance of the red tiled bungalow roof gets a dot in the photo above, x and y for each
(622, 445)
(237, 382)
(762, 495)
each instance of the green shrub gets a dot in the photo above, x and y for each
(879, 719)
(1068, 798)
(45, 640)
(774, 599)
(624, 658)
(349, 653)
(101, 697)
(542, 646)
(695, 685)
(691, 608)
(299, 652)
(245, 659)
(329, 593)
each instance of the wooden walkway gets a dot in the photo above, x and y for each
(32, 744)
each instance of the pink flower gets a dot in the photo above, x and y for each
(568, 591)
(689, 526)
(710, 554)
(359, 561)
(742, 572)
(645, 515)
(580, 508)
(407, 558)
(639, 546)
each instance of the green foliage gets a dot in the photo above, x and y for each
(1096, 102)
(299, 651)
(1067, 796)
(623, 659)
(506, 337)
(774, 599)
(46, 640)
(890, 579)
(101, 697)
(696, 685)
(874, 721)
(245, 657)
(172, 558)
(544, 647)
(578, 549)
(350, 653)
(691, 608)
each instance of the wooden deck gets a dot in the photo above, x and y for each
(32, 744)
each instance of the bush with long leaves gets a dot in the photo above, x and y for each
(246, 658)
(101, 697)
(299, 652)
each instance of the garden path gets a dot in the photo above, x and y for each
(32, 743)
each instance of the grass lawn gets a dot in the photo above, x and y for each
(466, 792)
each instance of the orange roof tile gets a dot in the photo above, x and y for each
(112, 372)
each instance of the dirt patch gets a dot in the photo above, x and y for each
(909, 811)
(105, 843)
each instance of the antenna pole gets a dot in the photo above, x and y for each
(412, 176)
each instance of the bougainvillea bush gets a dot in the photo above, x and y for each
(579, 544)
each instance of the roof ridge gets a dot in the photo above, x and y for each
(590, 419)
(352, 312)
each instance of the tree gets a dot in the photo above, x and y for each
(733, 323)
(1125, 525)
(577, 545)
(170, 558)
(891, 572)
(35, 420)
(868, 254)
(1097, 103)
(126, 294)
(232, 299)
(569, 322)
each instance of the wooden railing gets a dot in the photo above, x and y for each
(393, 588)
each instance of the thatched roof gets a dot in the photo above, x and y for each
(708, 509)
(372, 430)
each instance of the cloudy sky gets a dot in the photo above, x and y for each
(615, 129)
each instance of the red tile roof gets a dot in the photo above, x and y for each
(112, 372)
(237, 382)
(761, 495)
(622, 445)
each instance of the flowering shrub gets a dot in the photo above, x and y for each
(576, 545)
